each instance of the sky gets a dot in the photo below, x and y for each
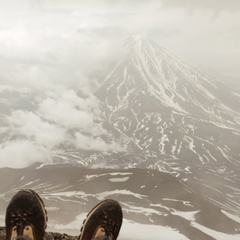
(48, 49)
(81, 34)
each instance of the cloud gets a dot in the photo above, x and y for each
(61, 119)
(90, 143)
(70, 111)
(44, 50)
(132, 5)
(21, 153)
(33, 127)
(232, 5)
(63, 42)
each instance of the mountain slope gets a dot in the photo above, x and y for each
(147, 197)
(176, 119)
(153, 92)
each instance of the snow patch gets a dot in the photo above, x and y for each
(132, 231)
(215, 234)
(233, 217)
(118, 179)
(190, 215)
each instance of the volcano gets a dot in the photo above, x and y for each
(175, 119)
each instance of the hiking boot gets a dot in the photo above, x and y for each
(26, 217)
(103, 222)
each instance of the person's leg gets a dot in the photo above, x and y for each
(26, 216)
(103, 222)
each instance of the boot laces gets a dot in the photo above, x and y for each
(20, 222)
(109, 225)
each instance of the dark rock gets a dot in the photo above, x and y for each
(48, 235)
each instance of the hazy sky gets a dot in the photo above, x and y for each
(72, 33)
(48, 48)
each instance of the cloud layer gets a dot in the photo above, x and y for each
(56, 37)
(62, 119)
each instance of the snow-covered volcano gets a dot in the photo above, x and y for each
(177, 119)
(169, 109)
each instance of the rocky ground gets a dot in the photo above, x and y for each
(48, 235)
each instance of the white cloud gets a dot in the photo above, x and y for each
(60, 118)
(232, 5)
(21, 153)
(33, 127)
(69, 110)
(56, 116)
(90, 143)
(65, 41)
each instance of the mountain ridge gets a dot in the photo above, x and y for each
(122, 91)
(173, 116)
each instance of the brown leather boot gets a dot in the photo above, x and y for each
(26, 216)
(103, 222)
